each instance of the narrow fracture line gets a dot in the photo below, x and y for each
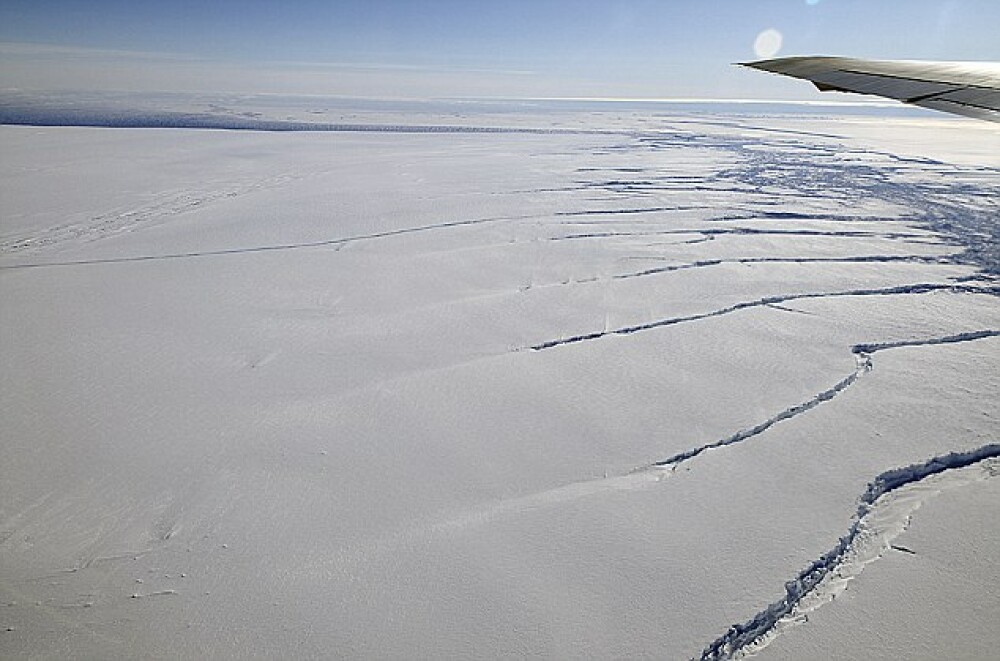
(921, 288)
(949, 339)
(758, 631)
(793, 215)
(853, 234)
(275, 248)
(641, 210)
(863, 355)
(785, 308)
(864, 364)
(877, 259)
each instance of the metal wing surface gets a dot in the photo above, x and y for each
(964, 88)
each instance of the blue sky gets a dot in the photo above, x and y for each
(611, 48)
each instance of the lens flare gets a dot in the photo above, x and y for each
(767, 44)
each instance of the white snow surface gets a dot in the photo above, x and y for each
(442, 395)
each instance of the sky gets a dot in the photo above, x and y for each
(469, 48)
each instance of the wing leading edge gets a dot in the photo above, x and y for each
(963, 88)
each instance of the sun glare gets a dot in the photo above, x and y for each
(767, 44)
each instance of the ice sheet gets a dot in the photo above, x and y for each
(445, 394)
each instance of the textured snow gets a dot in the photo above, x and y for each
(596, 392)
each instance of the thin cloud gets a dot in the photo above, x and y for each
(53, 51)
(417, 68)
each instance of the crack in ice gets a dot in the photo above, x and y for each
(322, 243)
(863, 355)
(714, 231)
(876, 523)
(864, 259)
(919, 288)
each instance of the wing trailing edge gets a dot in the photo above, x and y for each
(963, 88)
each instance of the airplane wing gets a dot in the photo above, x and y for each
(964, 88)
